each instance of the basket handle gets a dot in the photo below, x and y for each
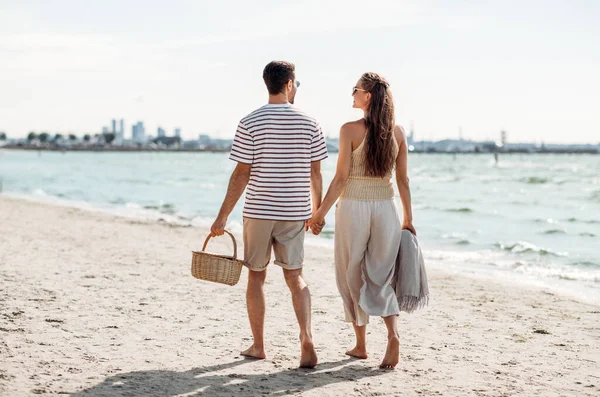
(232, 239)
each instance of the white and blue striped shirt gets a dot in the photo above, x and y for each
(280, 142)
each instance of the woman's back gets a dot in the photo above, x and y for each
(363, 187)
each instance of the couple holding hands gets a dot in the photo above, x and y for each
(278, 150)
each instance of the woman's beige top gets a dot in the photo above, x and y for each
(363, 187)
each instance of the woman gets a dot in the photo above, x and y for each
(367, 224)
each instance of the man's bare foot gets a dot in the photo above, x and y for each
(358, 353)
(309, 355)
(254, 352)
(392, 354)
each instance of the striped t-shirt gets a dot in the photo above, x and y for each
(280, 142)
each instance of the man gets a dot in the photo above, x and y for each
(279, 150)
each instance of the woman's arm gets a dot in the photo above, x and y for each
(402, 180)
(339, 180)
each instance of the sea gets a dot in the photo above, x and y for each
(528, 218)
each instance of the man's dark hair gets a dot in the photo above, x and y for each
(277, 74)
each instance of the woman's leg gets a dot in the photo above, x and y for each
(377, 296)
(360, 350)
(351, 238)
(392, 353)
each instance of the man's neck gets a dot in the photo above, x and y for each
(279, 99)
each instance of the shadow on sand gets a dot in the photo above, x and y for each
(205, 381)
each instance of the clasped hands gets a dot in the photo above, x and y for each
(316, 223)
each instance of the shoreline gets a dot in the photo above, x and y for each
(126, 149)
(99, 305)
(441, 256)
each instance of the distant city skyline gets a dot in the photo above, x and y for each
(456, 68)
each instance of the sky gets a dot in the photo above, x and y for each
(456, 68)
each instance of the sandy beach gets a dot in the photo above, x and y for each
(97, 305)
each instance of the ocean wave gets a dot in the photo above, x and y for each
(489, 179)
(524, 247)
(588, 221)
(459, 238)
(517, 202)
(535, 180)
(574, 272)
(165, 208)
(464, 210)
(586, 264)
(555, 231)
(547, 220)
(136, 181)
(587, 234)
(40, 192)
(595, 196)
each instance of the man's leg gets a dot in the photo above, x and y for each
(255, 302)
(302, 307)
(257, 254)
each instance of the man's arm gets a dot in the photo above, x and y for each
(237, 184)
(316, 185)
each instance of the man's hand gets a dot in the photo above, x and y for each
(314, 227)
(316, 223)
(218, 227)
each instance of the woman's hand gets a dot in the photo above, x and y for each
(316, 223)
(409, 226)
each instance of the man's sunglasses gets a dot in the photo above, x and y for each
(354, 89)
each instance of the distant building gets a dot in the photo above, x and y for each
(168, 141)
(160, 132)
(105, 130)
(121, 134)
(521, 147)
(178, 132)
(203, 140)
(222, 144)
(114, 126)
(138, 132)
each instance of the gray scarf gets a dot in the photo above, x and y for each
(410, 279)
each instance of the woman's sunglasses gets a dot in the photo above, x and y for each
(297, 84)
(354, 89)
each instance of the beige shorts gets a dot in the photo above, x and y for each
(285, 238)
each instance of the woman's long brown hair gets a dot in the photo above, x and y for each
(379, 144)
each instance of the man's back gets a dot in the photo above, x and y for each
(280, 142)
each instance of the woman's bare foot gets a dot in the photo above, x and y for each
(309, 355)
(254, 352)
(392, 353)
(357, 352)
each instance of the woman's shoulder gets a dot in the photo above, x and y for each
(353, 128)
(399, 133)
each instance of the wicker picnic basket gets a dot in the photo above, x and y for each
(217, 268)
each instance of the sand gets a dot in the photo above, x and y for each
(96, 305)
